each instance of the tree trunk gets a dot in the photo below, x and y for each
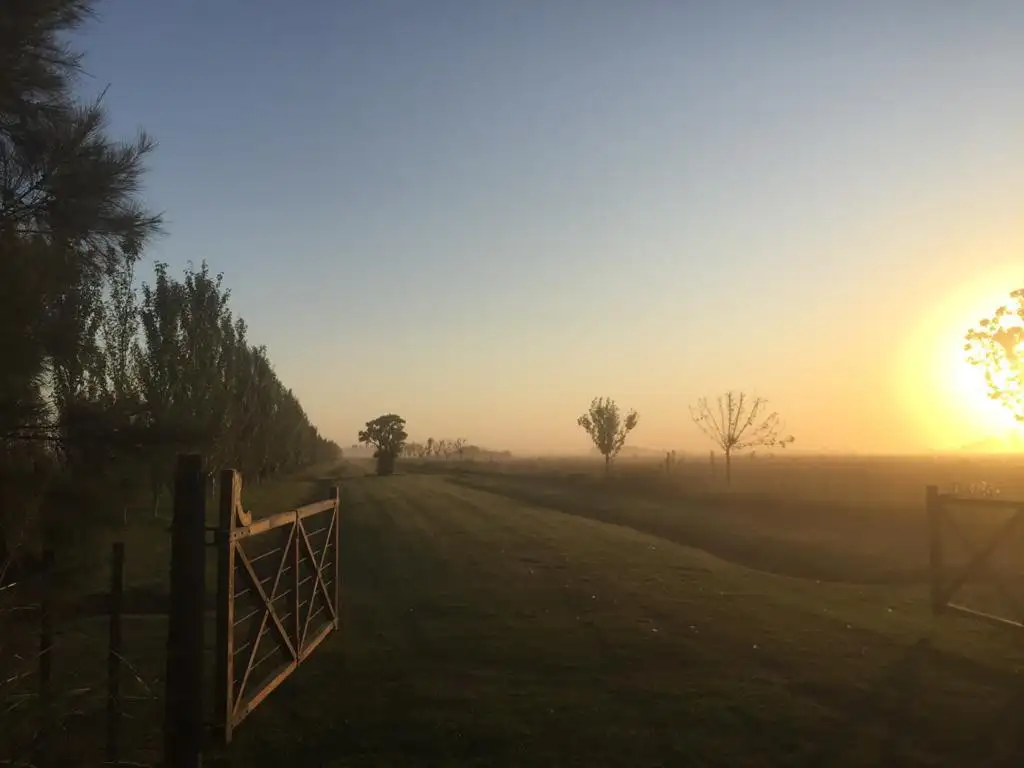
(728, 468)
(607, 465)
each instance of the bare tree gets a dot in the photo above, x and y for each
(459, 446)
(738, 422)
(606, 427)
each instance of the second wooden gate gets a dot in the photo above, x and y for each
(948, 578)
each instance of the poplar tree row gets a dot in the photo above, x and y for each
(102, 383)
(175, 367)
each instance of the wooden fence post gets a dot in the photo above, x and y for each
(230, 495)
(115, 653)
(335, 494)
(933, 509)
(46, 705)
(183, 693)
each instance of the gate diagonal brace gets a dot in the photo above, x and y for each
(318, 567)
(980, 560)
(268, 611)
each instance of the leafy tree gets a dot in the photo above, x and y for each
(607, 428)
(70, 210)
(996, 346)
(120, 330)
(101, 383)
(69, 207)
(736, 423)
(387, 435)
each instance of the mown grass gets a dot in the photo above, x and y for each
(515, 615)
(496, 621)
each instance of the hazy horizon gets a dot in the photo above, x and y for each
(482, 215)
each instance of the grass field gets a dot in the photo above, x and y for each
(538, 617)
(531, 613)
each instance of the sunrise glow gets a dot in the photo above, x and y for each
(948, 395)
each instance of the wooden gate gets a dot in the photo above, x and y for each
(948, 578)
(277, 596)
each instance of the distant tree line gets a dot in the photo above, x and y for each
(452, 449)
(101, 383)
(389, 442)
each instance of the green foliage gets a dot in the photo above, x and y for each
(204, 382)
(387, 435)
(70, 215)
(606, 427)
(101, 383)
(996, 346)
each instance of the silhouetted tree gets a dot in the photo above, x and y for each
(387, 435)
(736, 423)
(100, 384)
(996, 347)
(606, 427)
(70, 212)
(202, 382)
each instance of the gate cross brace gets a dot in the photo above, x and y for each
(268, 610)
(979, 559)
(317, 574)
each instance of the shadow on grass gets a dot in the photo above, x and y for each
(887, 716)
(711, 531)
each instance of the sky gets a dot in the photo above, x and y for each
(483, 214)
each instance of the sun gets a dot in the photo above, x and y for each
(971, 391)
(947, 395)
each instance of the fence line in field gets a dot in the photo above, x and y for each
(47, 627)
